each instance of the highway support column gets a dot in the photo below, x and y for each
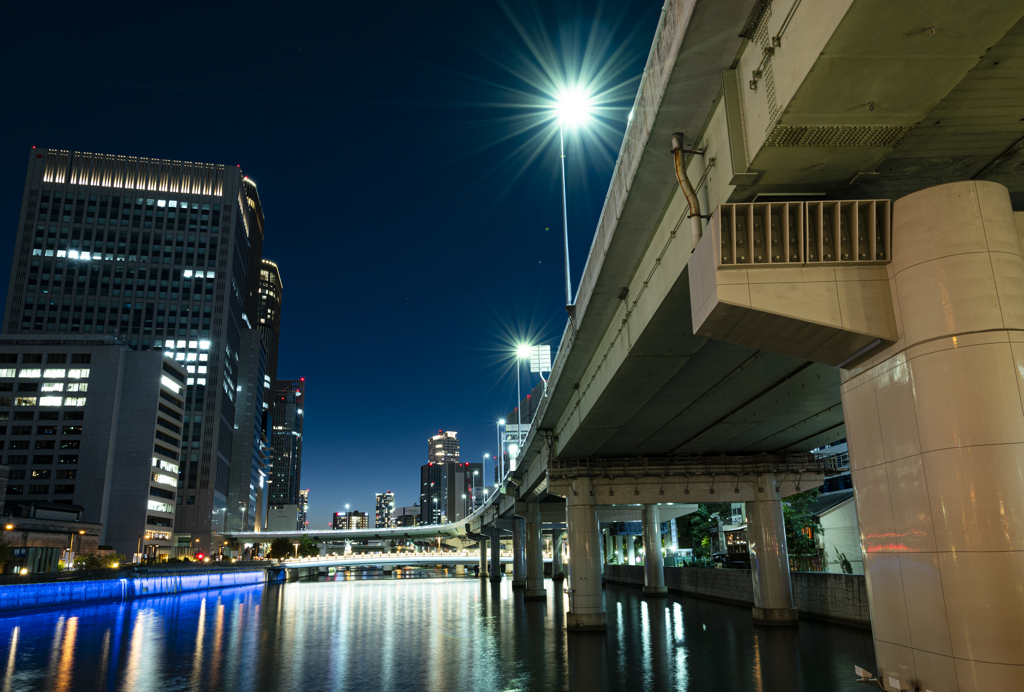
(495, 540)
(654, 561)
(630, 549)
(518, 553)
(769, 558)
(534, 555)
(557, 566)
(935, 427)
(586, 600)
(482, 572)
(619, 559)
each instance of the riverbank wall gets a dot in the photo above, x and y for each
(50, 594)
(839, 598)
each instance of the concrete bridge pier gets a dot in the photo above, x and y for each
(534, 555)
(769, 558)
(482, 572)
(557, 566)
(654, 561)
(619, 559)
(630, 549)
(495, 540)
(586, 600)
(518, 553)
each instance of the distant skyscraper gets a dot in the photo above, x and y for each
(158, 254)
(303, 510)
(442, 452)
(286, 408)
(383, 518)
(407, 516)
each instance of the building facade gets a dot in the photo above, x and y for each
(268, 313)
(90, 424)
(449, 489)
(157, 253)
(406, 516)
(385, 506)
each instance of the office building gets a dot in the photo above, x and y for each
(282, 517)
(442, 451)
(406, 516)
(303, 521)
(93, 427)
(157, 253)
(383, 518)
(247, 459)
(286, 408)
(350, 520)
(268, 313)
(448, 488)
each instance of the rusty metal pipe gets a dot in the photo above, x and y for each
(688, 191)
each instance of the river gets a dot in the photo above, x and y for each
(437, 633)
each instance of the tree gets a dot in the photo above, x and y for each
(99, 561)
(698, 527)
(308, 547)
(844, 562)
(281, 548)
(796, 510)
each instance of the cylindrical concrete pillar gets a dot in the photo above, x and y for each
(482, 571)
(769, 558)
(936, 436)
(608, 541)
(630, 549)
(586, 601)
(619, 560)
(654, 561)
(557, 566)
(518, 553)
(495, 541)
(600, 546)
(534, 555)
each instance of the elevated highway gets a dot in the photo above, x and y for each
(854, 272)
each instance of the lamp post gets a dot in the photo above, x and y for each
(522, 351)
(573, 108)
(501, 452)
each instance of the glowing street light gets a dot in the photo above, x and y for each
(573, 108)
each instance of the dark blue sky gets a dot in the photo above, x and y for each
(408, 173)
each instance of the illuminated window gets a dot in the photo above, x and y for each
(49, 401)
(25, 401)
(78, 387)
(30, 372)
(6, 372)
(76, 374)
(155, 506)
(72, 401)
(53, 387)
(53, 372)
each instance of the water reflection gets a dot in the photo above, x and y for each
(432, 634)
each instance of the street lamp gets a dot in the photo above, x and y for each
(522, 351)
(501, 451)
(573, 107)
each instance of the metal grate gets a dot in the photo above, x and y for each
(837, 135)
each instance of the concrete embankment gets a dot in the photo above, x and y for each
(125, 586)
(840, 598)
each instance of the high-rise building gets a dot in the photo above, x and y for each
(92, 424)
(268, 313)
(247, 460)
(157, 253)
(350, 520)
(303, 522)
(286, 408)
(383, 518)
(442, 452)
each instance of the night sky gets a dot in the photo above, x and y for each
(407, 161)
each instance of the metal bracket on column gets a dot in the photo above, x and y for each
(799, 479)
(661, 490)
(737, 488)
(686, 488)
(712, 491)
(636, 486)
